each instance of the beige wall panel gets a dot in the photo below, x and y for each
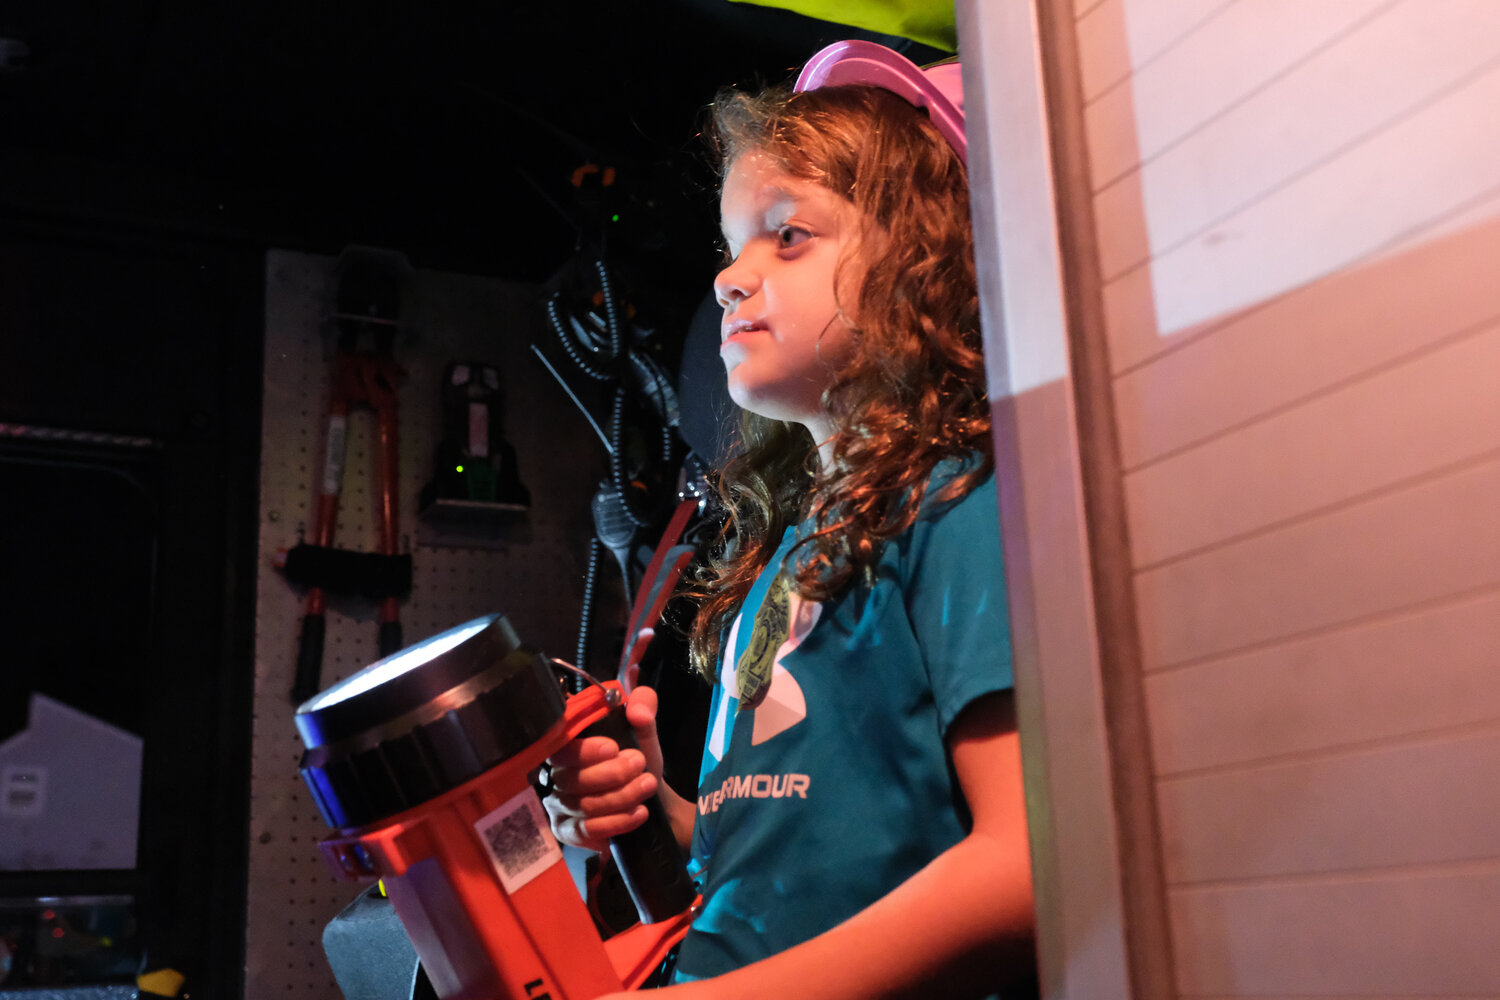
(1111, 45)
(1389, 67)
(1341, 328)
(1103, 46)
(1409, 935)
(1082, 7)
(1395, 677)
(1131, 332)
(1447, 182)
(1384, 807)
(1397, 425)
(1224, 60)
(1422, 168)
(1298, 214)
(1425, 166)
(1423, 543)
(1475, 214)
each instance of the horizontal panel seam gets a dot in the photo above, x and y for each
(1342, 996)
(1307, 169)
(1407, 610)
(1306, 57)
(1323, 391)
(1180, 342)
(1383, 873)
(1134, 70)
(1341, 751)
(1406, 483)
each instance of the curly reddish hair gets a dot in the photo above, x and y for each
(912, 394)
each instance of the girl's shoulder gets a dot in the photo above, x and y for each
(945, 494)
(955, 523)
(956, 536)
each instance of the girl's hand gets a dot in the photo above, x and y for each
(599, 790)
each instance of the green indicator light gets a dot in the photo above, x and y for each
(614, 218)
(459, 469)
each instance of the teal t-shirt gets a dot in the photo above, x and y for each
(837, 786)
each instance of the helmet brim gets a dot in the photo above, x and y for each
(938, 89)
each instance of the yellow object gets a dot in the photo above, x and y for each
(930, 22)
(161, 982)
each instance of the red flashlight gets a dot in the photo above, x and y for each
(422, 762)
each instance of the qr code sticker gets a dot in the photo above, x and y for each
(519, 840)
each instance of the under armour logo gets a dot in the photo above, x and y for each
(783, 705)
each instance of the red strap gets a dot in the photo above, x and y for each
(648, 608)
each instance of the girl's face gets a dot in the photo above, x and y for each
(783, 335)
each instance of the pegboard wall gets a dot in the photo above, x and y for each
(532, 571)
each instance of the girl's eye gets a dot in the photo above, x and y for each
(789, 236)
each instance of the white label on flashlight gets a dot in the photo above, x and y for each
(519, 840)
(23, 790)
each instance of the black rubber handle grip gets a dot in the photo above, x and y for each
(650, 861)
(309, 659)
(389, 639)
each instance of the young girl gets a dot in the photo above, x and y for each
(859, 828)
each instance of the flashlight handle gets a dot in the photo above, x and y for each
(309, 658)
(650, 861)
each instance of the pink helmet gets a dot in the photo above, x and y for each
(937, 88)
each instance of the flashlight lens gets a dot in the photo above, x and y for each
(395, 665)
